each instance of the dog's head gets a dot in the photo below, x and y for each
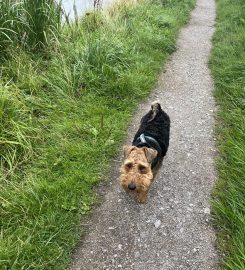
(136, 173)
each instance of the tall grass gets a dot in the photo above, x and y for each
(69, 112)
(16, 131)
(228, 68)
(43, 21)
(9, 24)
(28, 23)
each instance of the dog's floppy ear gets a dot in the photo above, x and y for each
(150, 154)
(127, 150)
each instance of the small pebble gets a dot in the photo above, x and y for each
(157, 223)
(206, 210)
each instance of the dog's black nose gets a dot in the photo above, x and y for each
(132, 186)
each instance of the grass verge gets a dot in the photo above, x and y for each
(64, 113)
(228, 68)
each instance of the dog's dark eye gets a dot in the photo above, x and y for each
(129, 165)
(142, 169)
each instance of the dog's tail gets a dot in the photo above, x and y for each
(155, 108)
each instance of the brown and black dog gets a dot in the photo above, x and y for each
(144, 157)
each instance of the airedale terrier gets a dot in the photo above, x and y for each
(144, 157)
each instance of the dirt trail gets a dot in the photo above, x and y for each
(172, 231)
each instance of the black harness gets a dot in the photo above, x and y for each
(149, 142)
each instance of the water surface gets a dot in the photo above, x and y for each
(81, 6)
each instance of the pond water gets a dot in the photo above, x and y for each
(81, 6)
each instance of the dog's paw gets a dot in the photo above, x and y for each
(142, 201)
(142, 198)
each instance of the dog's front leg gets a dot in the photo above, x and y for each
(142, 196)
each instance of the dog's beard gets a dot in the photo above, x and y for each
(132, 193)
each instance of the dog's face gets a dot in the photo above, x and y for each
(136, 174)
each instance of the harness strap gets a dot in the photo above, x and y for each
(149, 142)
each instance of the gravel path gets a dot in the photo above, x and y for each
(172, 231)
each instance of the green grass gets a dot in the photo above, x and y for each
(228, 68)
(28, 23)
(63, 115)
